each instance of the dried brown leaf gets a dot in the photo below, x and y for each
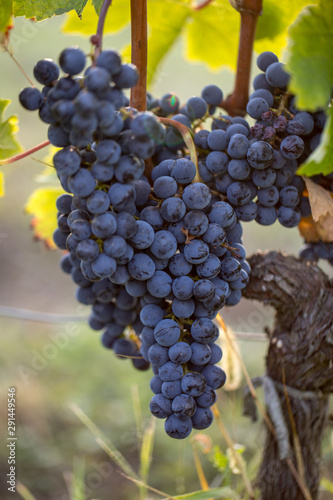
(325, 228)
(321, 200)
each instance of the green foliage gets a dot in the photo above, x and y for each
(118, 17)
(42, 206)
(209, 33)
(321, 160)
(310, 62)
(8, 128)
(9, 145)
(5, 14)
(43, 9)
(273, 25)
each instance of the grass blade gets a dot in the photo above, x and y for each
(223, 492)
(78, 482)
(137, 413)
(104, 442)
(147, 450)
(24, 492)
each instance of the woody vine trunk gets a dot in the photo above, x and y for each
(300, 355)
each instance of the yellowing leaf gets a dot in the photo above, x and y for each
(310, 61)
(230, 363)
(212, 32)
(2, 185)
(325, 227)
(166, 19)
(117, 18)
(5, 14)
(9, 146)
(307, 228)
(321, 200)
(210, 35)
(321, 160)
(42, 206)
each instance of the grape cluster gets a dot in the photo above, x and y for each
(315, 251)
(157, 258)
(254, 168)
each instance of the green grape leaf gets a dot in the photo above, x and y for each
(5, 14)
(43, 9)
(321, 160)
(206, 42)
(97, 4)
(164, 29)
(9, 145)
(41, 205)
(310, 60)
(274, 22)
(117, 18)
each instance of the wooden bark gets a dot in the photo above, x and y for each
(301, 350)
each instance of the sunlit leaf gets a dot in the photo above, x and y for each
(210, 35)
(310, 61)
(5, 14)
(43, 9)
(117, 18)
(274, 22)
(321, 160)
(166, 19)
(41, 205)
(9, 145)
(2, 185)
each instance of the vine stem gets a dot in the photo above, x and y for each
(139, 44)
(26, 153)
(97, 39)
(19, 66)
(202, 5)
(235, 104)
(188, 139)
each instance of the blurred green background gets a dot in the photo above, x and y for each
(53, 365)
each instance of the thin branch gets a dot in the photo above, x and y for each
(188, 139)
(26, 153)
(38, 316)
(44, 317)
(97, 39)
(138, 98)
(19, 65)
(235, 104)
